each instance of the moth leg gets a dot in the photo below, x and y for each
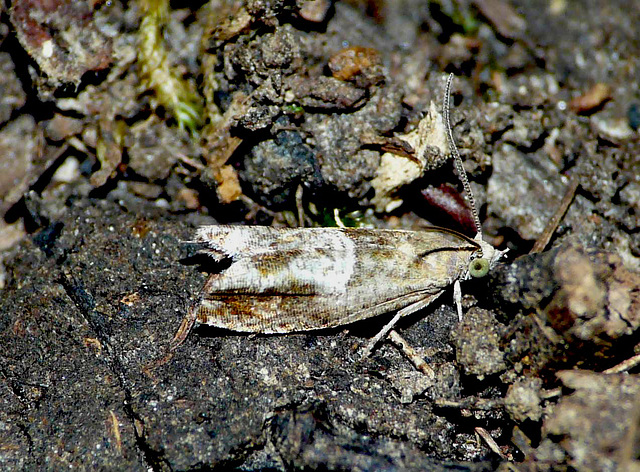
(407, 310)
(338, 220)
(457, 298)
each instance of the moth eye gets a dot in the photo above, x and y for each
(479, 267)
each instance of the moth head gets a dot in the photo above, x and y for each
(478, 267)
(486, 258)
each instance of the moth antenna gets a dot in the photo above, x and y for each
(456, 157)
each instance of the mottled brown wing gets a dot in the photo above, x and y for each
(282, 280)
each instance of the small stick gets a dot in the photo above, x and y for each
(411, 354)
(299, 205)
(471, 403)
(624, 365)
(183, 331)
(115, 429)
(555, 220)
(484, 434)
(553, 393)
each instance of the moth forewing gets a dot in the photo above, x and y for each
(282, 280)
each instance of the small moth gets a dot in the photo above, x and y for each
(283, 280)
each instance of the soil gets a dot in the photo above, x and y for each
(126, 125)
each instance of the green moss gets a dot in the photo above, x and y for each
(178, 95)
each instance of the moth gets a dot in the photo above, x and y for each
(283, 280)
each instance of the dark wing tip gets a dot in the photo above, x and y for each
(201, 254)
